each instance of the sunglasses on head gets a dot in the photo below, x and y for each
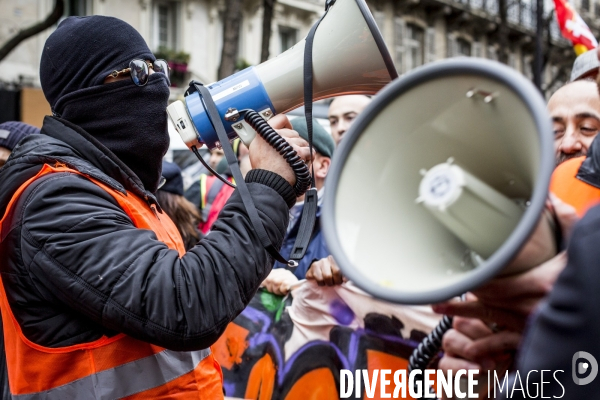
(140, 70)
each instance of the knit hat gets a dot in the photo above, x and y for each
(174, 181)
(322, 140)
(12, 132)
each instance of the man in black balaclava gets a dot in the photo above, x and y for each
(99, 299)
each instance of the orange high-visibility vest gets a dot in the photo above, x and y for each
(107, 368)
(565, 185)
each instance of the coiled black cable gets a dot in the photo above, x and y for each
(422, 356)
(303, 179)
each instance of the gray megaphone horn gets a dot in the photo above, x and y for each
(349, 56)
(440, 182)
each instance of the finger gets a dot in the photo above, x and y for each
(455, 343)
(327, 274)
(318, 274)
(448, 363)
(290, 134)
(338, 277)
(310, 274)
(475, 309)
(493, 345)
(470, 327)
(280, 121)
(284, 288)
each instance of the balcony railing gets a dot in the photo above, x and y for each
(520, 14)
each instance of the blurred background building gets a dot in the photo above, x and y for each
(210, 39)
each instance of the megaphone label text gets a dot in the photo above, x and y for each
(231, 90)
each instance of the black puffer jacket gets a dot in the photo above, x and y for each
(75, 267)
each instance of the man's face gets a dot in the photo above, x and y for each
(342, 112)
(4, 153)
(575, 112)
(215, 157)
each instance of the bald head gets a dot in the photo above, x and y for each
(575, 112)
(342, 112)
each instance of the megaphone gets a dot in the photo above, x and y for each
(349, 57)
(440, 181)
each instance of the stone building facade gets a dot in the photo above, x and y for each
(416, 31)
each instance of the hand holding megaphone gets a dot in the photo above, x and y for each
(263, 156)
(509, 299)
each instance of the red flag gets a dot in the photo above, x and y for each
(574, 28)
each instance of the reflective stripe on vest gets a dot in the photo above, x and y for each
(107, 368)
(126, 380)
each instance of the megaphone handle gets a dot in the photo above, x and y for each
(300, 169)
(215, 118)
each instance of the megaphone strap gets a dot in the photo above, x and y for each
(215, 119)
(309, 212)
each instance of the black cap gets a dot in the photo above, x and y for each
(174, 181)
(11, 133)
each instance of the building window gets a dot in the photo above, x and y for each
(399, 27)
(287, 37)
(165, 25)
(78, 8)
(463, 47)
(585, 5)
(414, 46)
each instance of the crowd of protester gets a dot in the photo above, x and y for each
(535, 320)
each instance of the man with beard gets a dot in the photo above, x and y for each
(575, 112)
(99, 298)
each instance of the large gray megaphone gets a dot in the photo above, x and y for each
(349, 56)
(440, 182)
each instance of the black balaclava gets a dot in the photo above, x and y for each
(131, 121)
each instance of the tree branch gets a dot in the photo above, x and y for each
(23, 34)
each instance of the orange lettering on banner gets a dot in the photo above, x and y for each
(379, 360)
(261, 381)
(231, 345)
(315, 385)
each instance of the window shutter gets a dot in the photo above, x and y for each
(492, 53)
(379, 17)
(477, 49)
(399, 37)
(451, 45)
(430, 54)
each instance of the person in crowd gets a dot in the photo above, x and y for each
(216, 155)
(99, 298)
(575, 113)
(11, 133)
(343, 111)
(183, 213)
(209, 193)
(507, 303)
(585, 67)
(281, 279)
